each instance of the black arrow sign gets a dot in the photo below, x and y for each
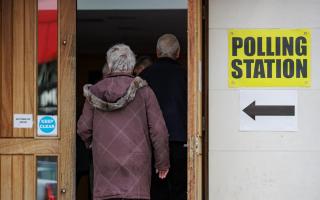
(268, 110)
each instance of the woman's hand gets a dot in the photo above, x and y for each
(162, 173)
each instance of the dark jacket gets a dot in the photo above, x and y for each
(168, 80)
(123, 124)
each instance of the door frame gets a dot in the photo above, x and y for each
(205, 99)
(67, 98)
(196, 167)
(68, 93)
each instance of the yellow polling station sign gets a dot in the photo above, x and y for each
(269, 58)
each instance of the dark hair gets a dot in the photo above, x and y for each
(142, 62)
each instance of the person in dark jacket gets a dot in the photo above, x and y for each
(123, 124)
(168, 79)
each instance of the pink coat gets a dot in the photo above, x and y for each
(123, 124)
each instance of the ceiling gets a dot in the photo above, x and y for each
(130, 4)
(98, 30)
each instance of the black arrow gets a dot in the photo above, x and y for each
(268, 110)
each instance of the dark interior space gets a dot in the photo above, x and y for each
(97, 31)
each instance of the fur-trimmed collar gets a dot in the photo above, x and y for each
(130, 94)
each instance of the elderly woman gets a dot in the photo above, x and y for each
(123, 124)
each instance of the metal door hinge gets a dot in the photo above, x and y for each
(204, 12)
(204, 123)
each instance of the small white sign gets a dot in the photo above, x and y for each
(47, 125)
(22, 121)
(268, 110)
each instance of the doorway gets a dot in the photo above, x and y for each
(19, 59)
(98, 28)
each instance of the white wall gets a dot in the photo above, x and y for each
(130, 4)
(262, 165)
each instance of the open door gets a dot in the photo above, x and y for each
(34, 165)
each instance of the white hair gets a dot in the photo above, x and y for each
(120, 59)
(168, 46)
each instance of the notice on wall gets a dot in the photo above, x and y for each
(268, 110)
(269, 58)
(47, 125)
(22, 121)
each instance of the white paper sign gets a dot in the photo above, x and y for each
(268, 110)
(22, 121)
(47, 125)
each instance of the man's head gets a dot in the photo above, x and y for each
(168, 46)
(120, 59)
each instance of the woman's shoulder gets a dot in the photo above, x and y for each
(147, 92)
